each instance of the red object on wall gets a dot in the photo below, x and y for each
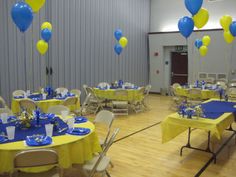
(157, 71)
(156, 54)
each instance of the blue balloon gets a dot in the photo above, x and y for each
(22, 15)
(46, 34)
(232, 28)
(186, 26)
(193, 6)
(118, 49)
(198, 43)
(118, 34)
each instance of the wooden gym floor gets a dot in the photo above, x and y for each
(138, 151)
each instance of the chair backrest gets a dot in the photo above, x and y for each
(147, 89)
(222, 84)
(77, 92)
(85, 88)
(210, 80)
(105, 117)
(61, 90)
(232, 92)
(6, 110)
(28, 105)
(2, 103)
(176, 85)
(103, 153)
(103, 84)
(57, 109)
(232, 84)
(70, 101)
(35, 158)
(18, 93)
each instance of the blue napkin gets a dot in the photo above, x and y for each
(18, 97)
(2, 139)
(38, 140)
(78, 131)
(80, 120)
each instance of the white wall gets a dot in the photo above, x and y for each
(221, 57)
(166, 13)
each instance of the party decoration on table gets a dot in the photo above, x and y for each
(123, 41)
(46, 34)
(199, 111)
(201, 18)
(193, 6)
(36, 5)
(186, 26)
(22, 15)
(24, 120)
(37, 117)
(46, 25)
(42, 47)
(50, 92)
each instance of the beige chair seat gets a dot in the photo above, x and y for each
(101, 166)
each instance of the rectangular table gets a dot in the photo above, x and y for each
(174, 125)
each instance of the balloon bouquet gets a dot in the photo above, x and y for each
(46, 34)
(200, 17)
(22, 16)
(229, 28)
(123, 41)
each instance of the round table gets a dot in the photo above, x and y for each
(133, 94)
(71, 150)
(205, 94)
(42, 104)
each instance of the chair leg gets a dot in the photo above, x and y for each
(61, 172)
(107, 173)
(112, 165)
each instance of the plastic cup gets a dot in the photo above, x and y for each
(44, 96)
(28, 92)
(70, 123)
(49, 129)
(4, 117)
(64, 114)
(11, 132)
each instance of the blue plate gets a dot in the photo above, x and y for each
(70, 94)
(61, 98)
(2, 139)
(78, 131)
(11, 118)
(18, 97)
(80, 120)
(38, 140)
(47, 116)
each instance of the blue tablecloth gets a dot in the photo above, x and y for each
(215, 109)
(20, 134)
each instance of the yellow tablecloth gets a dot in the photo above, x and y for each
(43, 104)
(205, 94)
(133, 94)
(71, 150)
(174, 125)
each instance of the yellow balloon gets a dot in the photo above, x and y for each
(228, 37)
(225, 22)
(201, 18)
(42, 47)
(203, 50)
(46, 25)
(123, 42)
(206, 40)
(35, 4)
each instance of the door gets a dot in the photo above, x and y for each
(179, 67)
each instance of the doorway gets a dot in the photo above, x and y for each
(179, 67)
